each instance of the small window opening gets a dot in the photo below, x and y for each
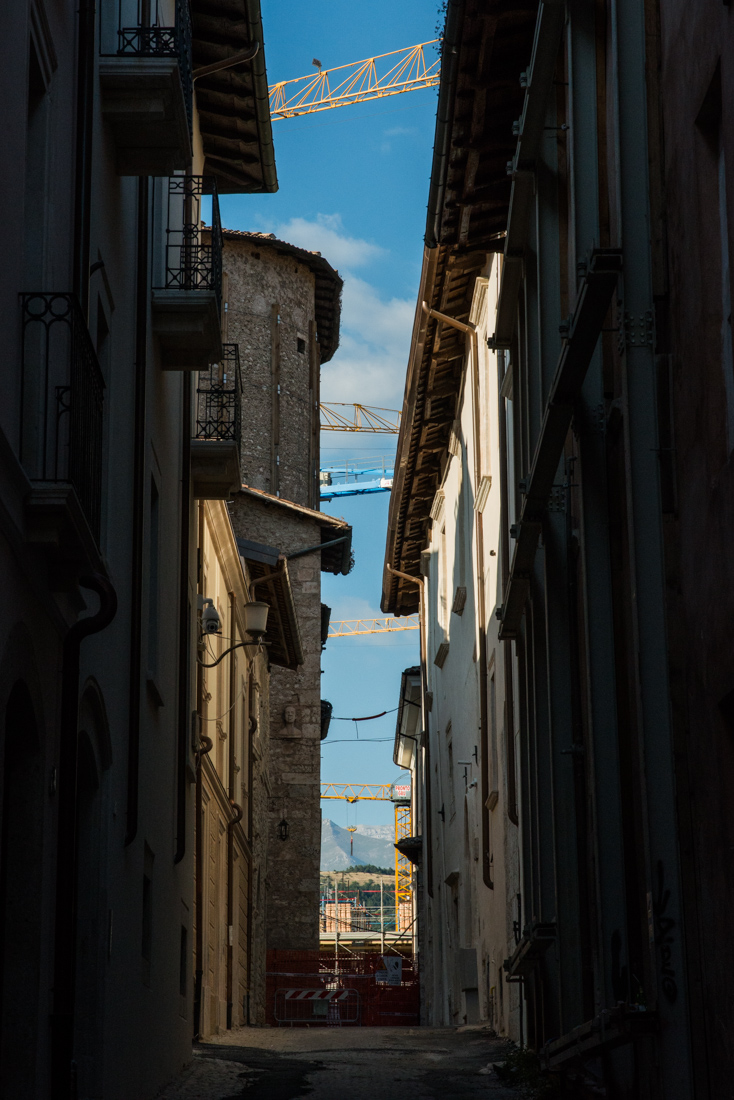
(301, 345)
(183, 962)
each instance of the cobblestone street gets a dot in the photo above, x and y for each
(358, 1064)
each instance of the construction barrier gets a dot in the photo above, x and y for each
(316, 1006)
(317, 989)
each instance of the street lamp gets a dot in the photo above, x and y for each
(256, 618)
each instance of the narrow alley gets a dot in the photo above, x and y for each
(382, 1063)
(366, 572)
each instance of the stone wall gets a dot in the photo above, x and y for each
(293, 765)
(271, 301)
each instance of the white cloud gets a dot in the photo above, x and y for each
(396, 131)
(326, 235)
(354, 607)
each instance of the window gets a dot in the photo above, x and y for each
(494, 784)
(35, 174)
(183, 962)
(153, 579)
(146, 930)
(301, 345)
(444, 578)
(714, 196)
(452, 792)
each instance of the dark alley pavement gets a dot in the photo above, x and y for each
(345, 1064)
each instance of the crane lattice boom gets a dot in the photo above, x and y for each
(345, 628)
(361, 418)
(356, 83)
(357, 792)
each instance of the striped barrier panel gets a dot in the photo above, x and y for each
(332, 1007)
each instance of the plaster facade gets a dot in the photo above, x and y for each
(232, 711)
(98, 560)
(469, 870)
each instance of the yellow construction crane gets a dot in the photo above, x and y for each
(374, 78)
(361, 418)
(347, 628)
(399, 794)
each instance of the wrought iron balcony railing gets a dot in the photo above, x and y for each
(159, 41)
(61, 399)
(219, 399)
(191, 264)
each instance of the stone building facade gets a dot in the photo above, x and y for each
(282, 310)
(294, 763)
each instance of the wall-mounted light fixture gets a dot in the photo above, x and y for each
(283, 829)
(256, 618)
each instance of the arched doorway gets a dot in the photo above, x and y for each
(21, 849)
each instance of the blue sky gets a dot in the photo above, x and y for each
(354, 186)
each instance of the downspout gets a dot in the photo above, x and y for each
(251, 727)
(230, 826)
(204, 745)
(136, 579)
(505, 565)
(83, 168)
(63, 1067)
(470, 331)
(184, 627)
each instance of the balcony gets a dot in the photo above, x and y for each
(147, 90)
(187, 307)
(60, 433)
(215, 449)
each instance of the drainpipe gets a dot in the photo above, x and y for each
(184, 626)
(83, 168)
(63, 1067)
(136, 580)
(251, 728)
(204, 745)
(231, 824)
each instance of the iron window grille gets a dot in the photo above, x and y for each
(61, 404)
(148, 38)
(191, 264)
(219, 398)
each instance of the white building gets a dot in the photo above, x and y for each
(463, 759)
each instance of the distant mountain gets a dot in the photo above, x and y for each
(368, 848)
(381, 832)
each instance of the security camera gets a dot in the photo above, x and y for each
(210, 621)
